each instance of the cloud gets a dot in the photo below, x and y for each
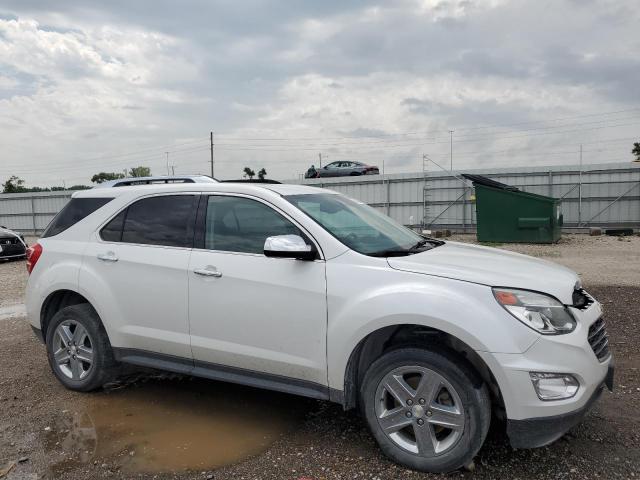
(102, 85)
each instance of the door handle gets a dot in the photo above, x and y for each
(208, 272)
(108, 257)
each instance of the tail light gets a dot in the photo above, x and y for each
(33, 254)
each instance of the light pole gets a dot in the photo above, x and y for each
(451, 151)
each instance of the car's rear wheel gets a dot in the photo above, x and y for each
(428, 409)
(78, 349)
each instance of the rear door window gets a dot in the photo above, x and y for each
(72, 213)
(164, 220)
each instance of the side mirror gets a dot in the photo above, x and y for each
(289, 246)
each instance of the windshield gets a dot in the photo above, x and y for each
(359, 226)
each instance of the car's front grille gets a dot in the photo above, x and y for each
(9, 241)
(599, 340)
(581, 299)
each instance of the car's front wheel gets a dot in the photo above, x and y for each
(78, 349)
(428, 409)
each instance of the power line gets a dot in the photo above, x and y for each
(361, 143)
(117, 164)
(635, 109)
(428, 140)
(285, 148)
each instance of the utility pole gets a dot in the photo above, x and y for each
(320, 159)
(211, 140)
(167, 154)
(580, 190)
(451, 158)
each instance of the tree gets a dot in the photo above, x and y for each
(79, 187)
(140, 172)
(14, 185)
(105, 176)
(249, 173)
(262, 173)
(636, 151)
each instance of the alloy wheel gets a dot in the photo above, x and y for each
(73, 350)
(419, 410)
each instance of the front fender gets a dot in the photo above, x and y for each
(380, 297)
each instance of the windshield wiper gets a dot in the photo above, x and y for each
(403, 252)
(418, 245)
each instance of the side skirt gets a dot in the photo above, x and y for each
(223, 373)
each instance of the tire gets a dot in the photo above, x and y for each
(436, 387)
(94, 365)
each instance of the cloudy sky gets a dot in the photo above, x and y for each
(101, 86)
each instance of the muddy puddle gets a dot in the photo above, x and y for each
(173, 425)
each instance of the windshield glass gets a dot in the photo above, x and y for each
(357, 225)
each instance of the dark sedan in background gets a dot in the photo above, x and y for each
(12, 244)
(342, 169)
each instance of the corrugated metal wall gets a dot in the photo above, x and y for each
(31, 212)
(610, 196)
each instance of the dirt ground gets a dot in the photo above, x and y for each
(167, 426)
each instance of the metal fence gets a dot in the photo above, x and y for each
(30, 213)
(604, 195)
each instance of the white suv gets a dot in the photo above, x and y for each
(305, 291)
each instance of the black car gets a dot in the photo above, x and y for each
(12, 244)
(342, 169)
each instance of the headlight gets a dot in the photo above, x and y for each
(541, 312)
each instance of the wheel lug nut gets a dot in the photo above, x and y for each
(429, 413)
(420, 421)
(408, 414)
(409, 402)
(422, 401)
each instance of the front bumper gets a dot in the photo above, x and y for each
(538, 432)
(567, 354)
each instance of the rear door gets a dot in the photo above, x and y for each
(139, 265)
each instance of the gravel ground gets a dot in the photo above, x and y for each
(599, 260)
(13, 278)
(322, 441)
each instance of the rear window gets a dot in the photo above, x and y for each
(163, 220)
(72, 213)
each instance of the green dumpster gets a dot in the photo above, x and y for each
(506, 214)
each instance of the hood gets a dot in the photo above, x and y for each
(5, 232)
(492, 267)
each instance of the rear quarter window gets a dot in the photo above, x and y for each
(72, 213)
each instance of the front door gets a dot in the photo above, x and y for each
(259, 315)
